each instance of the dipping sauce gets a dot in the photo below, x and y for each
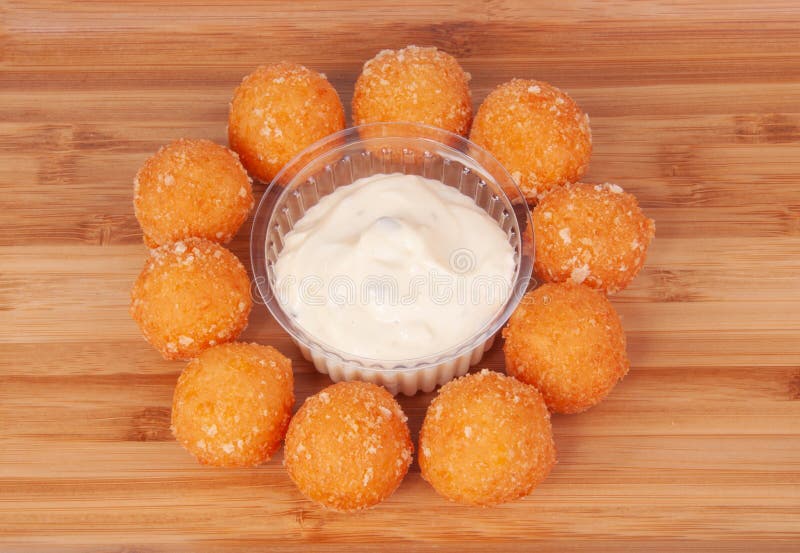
(394, 267)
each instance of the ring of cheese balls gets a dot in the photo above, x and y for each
(537, 132)
(567, 340)
(486, 439)
(594, 234)
(191, 188)
(191, 295)
(277, 111)
(348, 447)
(232, 404)
(416, 85)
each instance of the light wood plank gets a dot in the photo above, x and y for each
(695, 108)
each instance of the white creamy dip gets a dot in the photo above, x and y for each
(394, 267)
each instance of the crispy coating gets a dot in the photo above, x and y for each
(418, 85)
(348, 447)
(486, 439)
(191, 188)
(591, 234)
(233, 403)
(277, 111)
(537, 132)
(567, 340)
(191, 295)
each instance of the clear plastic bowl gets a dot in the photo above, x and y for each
(344, 157)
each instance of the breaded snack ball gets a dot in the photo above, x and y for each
(191, 188)
(233, 403)
(417, 85)
(591, 234)
(537, 132)
(191, 295)
(567, 340)
(276, 112)
(486, 439)
(348, 447)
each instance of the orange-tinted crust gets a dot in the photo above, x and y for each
(537, 132)
(277, 111)
(191, 188)
(486, 439)
(232, 404)
(417, 85)
(191, 295)
(591, 234)
(567, 340)
(348, 447)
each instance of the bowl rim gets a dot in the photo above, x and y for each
(459, 146)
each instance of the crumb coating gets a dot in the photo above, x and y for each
(190, 295)
(191, 188)
(417, 85)
(537, 132)
(277, 111)
(348, 447)
(486, 439)
(232, 404)
(566, 340)
(591, 234)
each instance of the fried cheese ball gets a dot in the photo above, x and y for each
(232, 404)
(276, 112)
(348, 447)
(191, 295)
(486, 439)
(417, 85)
(191, 188)
(567, 340)
(591, 234)
(537, 132)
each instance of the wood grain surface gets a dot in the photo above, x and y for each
(695, 108)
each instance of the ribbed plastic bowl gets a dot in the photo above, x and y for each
(344, 157)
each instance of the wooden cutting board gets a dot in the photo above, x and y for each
(695, 108)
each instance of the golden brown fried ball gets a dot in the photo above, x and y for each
(277, 111)
(594, 234)
(233, 403)
(191, 295)
(191, 188)
(567, 340)
(348, 447)
(486, 439)
(537, 132)
(417, 85)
